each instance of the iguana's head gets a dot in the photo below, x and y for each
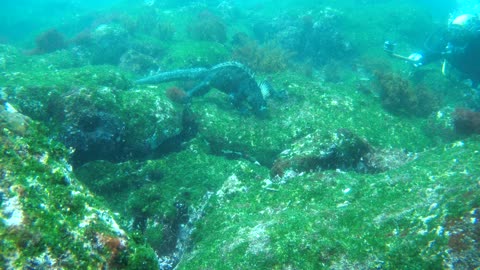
(257, 101)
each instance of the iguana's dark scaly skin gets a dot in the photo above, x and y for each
(232, 78)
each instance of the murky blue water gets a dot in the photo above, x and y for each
(22, 18)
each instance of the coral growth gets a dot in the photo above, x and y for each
(49, 41)
(269, 57)
(400, 96)
(466, 122)
(207, 26)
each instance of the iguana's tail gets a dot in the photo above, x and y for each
(179, 74)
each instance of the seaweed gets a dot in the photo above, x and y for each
(466, 122)
(269, 57)
(176, 94)
(400, 96)
(49, 41)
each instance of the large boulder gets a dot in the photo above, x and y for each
(48, 219)
(339, 150)
(91, 108)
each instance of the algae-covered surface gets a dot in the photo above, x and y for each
(49, 219)
(420, 216)
(358, 162)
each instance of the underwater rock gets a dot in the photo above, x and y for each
(137, 62)
(207, 26)
(154, 124)
(12, 120)
(165, 198)
(308, 107)
(107, 43)
(340, 150)
(48, 219)
(325, 42)
(119, 125)
(423, 215)
(287, 30)
(440, 125)
(98, 117)
(95, 135)
(317, 38)
(34, 77)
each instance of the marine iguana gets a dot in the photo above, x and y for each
(232, 78)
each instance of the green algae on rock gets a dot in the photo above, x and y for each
(178, 180)
(421, 216)
(308, 108)
(50, 220)
(339, 150)
(82, 104)
(211, 203)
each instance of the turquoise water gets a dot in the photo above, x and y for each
(238, 135)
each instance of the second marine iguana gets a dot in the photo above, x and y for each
(232, 78)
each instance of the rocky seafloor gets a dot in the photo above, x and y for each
(100, 173)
